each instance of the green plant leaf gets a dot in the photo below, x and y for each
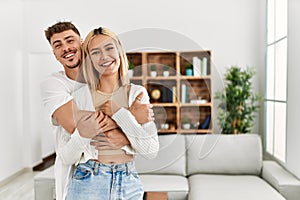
(238, 104)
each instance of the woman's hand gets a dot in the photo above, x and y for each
(88, 123)
(143, 113)
(107, 123)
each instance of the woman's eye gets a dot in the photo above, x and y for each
(95, 53)
(109, 48)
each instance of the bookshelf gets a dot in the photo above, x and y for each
(184, 93)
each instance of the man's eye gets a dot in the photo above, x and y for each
(70, 41)
(109, 48)
(57, 46)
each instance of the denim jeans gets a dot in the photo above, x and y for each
(96, 181)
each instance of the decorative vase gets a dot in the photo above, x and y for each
(164, 126)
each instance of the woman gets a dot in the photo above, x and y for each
(112, 175)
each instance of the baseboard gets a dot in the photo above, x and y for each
(47, 162)
(12, 177)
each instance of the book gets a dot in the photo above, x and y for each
(196, 66)
(183, 93)
(174, 94)
(206, 123)
(204, 66)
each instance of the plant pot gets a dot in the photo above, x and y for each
(166, 73)
(153, 73)
(186, 126)
(130, 73)
(189, 72)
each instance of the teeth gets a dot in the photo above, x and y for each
(69, 55)
(106, 64)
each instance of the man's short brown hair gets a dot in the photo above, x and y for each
(60, 27)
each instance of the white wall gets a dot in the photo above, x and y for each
(11, 115)
(293, 110)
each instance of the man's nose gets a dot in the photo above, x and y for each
(66, 47)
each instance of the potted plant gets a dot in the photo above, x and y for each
(238, 104)
(153, 71)
(130, 69)
(166, 71)
(189, 69)
(185, 123)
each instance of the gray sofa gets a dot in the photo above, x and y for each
(206, 167)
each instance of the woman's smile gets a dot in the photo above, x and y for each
(107, 64)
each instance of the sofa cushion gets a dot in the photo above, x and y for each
(224, 154)
(229, 187)
(176, 186)
(169, 160)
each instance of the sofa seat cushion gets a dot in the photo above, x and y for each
(176, 186)
(231, 187)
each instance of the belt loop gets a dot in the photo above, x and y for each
(127, 169)
(95, 168)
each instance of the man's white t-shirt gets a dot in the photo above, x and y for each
(56, 90)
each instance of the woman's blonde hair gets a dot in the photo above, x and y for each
(91, 75)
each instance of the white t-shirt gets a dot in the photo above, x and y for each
(56, 90)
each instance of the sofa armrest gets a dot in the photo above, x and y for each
(44, 185)
(287, 184)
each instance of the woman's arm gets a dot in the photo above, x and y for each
(143, 138)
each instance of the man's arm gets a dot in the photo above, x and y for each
(64, 116)
(110, 140)
(70, 118)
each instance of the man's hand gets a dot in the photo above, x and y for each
(87, 123)
(114, 139)
(109, 107)
(107, 124)
(143, 113)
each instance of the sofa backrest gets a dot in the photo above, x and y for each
(224, 154)
(171, 158)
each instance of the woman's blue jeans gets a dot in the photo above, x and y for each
(96, 181)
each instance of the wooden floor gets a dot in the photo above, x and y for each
(19, 188)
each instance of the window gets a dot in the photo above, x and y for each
(276, 79)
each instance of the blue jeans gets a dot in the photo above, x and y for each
(96, 181)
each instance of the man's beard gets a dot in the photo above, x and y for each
(74, 66)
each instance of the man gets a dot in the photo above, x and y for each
(73, 132)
